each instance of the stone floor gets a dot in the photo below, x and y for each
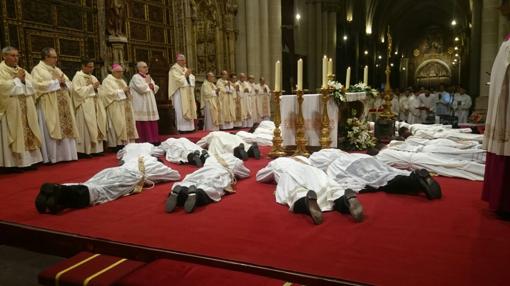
(20, 267)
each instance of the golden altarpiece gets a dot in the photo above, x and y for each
(124, 32)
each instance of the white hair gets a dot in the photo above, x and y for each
(140, 63)
(8, 49)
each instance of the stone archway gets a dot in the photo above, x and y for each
(433, 72)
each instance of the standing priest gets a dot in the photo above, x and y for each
(55, 108)
(181, 83)
(143, 88)
(20, 136)
(497, 131)
(90, 112)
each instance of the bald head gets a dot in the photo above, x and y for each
(224, 74)
(242, 76)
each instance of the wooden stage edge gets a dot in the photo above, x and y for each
(67, 244)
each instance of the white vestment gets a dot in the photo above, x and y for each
(90, 114)
(144, 100)
(295, 176)
(177, 149)
(433, 162)
(112, 183)
(462, 104)
(220, 142)
(354, 171)
(430, 103)
(403, 103)
(414, 112)
(136, 150)
(455, 150)
(50, 94)
(216, 176)
(19, 101)
(497, 125)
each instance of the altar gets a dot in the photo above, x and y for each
(312, 114)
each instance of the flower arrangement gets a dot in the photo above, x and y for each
(338, 91)
(359, 87)
(358, 134)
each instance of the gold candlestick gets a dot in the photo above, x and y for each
(325, 138)
(301, 140)
(387, 113)
(277, 149)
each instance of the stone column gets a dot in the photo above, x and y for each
(490, 44)
(101, 18)
(312, 45)
(275, 35)
(474, 49)
(253, 37)
(332, 38)
(317, 57)
(264, 40)
(241, 65)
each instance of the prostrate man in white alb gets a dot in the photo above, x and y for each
(262, 135)
(90, 111)
(307, 189)
(207, 184)
(219, 142)
(182, 150)
(143, 89)
(139, 168)
(438, 163)
(181, 84)
(360, 172)
(20, 135)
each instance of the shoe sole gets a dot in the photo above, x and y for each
(171, 202)
(313, 207)
(190, 203)
(356, 209)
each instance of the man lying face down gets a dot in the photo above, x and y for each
(307, 189)
(208, 184)
(139, 168)
(220, 142)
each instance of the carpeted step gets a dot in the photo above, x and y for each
(172, 272)
(90, 269)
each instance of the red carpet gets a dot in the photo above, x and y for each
(405, 240)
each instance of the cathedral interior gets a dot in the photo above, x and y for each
(433, 42)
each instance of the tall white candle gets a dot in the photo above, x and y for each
(365, 75)
(300, 74)
(324, 72)
(277, 76)
(348, 78)
(330, 66)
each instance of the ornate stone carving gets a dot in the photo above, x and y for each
(116, 15)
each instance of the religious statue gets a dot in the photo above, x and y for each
(116, 14)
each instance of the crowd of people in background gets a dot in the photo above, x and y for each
(426, 106)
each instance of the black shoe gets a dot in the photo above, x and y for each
(429, 186)
(240, 153)
(171, 202)
(204, 156)
(312, 207)
(194, 159)
(49, 198)
(355, 208)
(254, 151)
(41, 199)
(191, 200)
